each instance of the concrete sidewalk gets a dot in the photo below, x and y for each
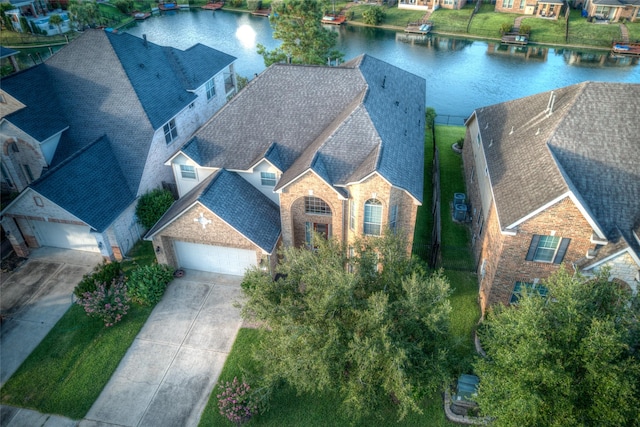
(167, 374)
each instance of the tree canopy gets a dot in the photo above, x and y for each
(570, 359)
(376, 335)
(304, 39)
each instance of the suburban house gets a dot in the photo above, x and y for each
(431, 4)
(86, 133)
(333, 150)
(549, 9)
(554, 180)
(613, 10)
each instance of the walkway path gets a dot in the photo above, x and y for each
(516, 23)
(624, 33)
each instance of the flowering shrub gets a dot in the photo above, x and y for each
(236, 402)
(107, 303)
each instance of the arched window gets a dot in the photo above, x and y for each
(372, 217)
(316, 206)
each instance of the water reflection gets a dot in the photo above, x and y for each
(247, 36)
(434, 41)
(598, 59)
(533, 53)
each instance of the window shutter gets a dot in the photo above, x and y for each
(562, 250)
(532, 247)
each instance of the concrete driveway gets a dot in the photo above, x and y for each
(167, 374)
(34, 297)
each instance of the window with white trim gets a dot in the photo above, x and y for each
(27, 172)
(522, 3)
(188, 172)
(211, 89)
(372, 218)
(352, 215)
(508, 4)
(551, 249)
(268, 179)
(170, 131)
(316, 206)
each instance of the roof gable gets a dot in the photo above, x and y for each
(90, 185)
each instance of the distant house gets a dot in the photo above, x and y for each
(87, 132)
(553, 179)
(549, 9)
(337, 151)
(613, 10)
(431, 4)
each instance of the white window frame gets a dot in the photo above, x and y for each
(188, 172)
(268, 179)
(374, 208)
(210, 87)
(316, 206)
(170, 131)
(352, 215)
(393, 218)
(548, 245)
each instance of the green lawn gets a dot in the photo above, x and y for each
(393, 16)
(634, 31)
(586, 33)
(424, 219)
(487, 22)
(67, 371)
(289, 409)
(447, 20)
(546, 31)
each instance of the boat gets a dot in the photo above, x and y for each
(419, 27)
(141, 16)
(168, 6)
(515, 38)
(333, 19)
(626, 48)
(213, 6)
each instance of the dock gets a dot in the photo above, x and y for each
(515, 39)
(141, 16)
(213, 6)
(334, 19)
(262, 12)
(419, 27)
(625, 49)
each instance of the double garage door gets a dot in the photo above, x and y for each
(67, 236)
(216, 259)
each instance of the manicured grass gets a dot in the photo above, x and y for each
(545, 31)
(424, 219)
(487, 22)
(634, 31)
(67, 371)
(583, 32)
(451, 182)
(393, 16)
(447, 20)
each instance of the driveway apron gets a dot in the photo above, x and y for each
(167, 374)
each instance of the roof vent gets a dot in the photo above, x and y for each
(552, 100)
(144, 40)
(538, 131)
(384, 80)
(491, 143)
(486, 126)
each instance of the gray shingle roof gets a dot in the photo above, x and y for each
(42, 115)
(235, 201)
(335, 114)
(163, 76)
(6, 52)
(618, 3)
(89, 185)
(589, 145)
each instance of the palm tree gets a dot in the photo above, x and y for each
(57, 21)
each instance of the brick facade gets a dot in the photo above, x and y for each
(184, 228)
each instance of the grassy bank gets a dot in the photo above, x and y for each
(67, 371)
(289, 409)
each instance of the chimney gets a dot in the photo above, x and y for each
(144, 40)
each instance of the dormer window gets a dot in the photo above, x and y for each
(268, 179)
(187, 172)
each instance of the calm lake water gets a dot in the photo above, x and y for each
(461, 74)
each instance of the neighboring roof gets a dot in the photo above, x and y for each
(163, 77)
(90, 185)
(6, 52)
(618, 3)
(42, 116)
(325, 119)
(587, 144)
(235, 201)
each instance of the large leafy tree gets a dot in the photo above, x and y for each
(374, 335)
(570, 359)
(304, 39)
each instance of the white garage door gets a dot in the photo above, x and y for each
(217, 259)
(67, 236)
